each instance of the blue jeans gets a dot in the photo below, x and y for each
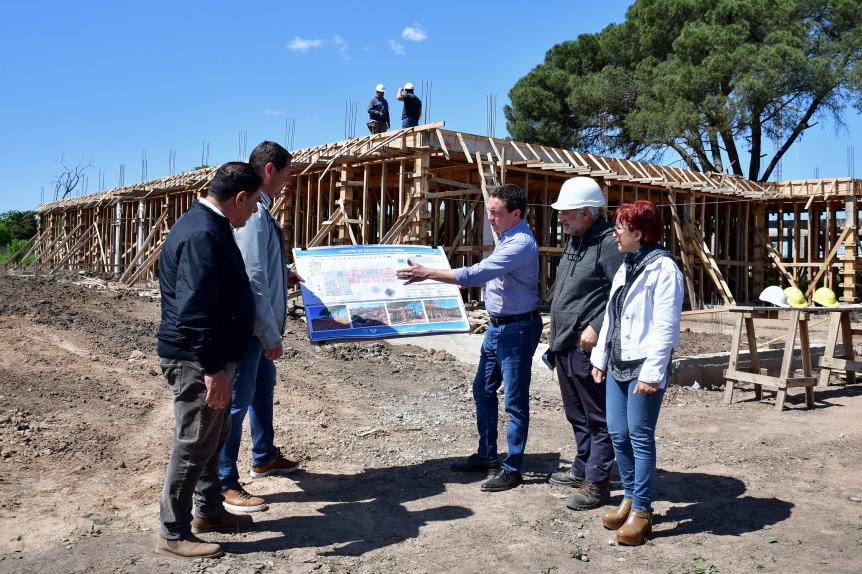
(506, 358)
(631, 422)
(199, 433)
(253, 392)
(409, 122)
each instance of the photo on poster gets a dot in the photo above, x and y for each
(369, 315)
(406, 312)
(442, 310)
(330, 318)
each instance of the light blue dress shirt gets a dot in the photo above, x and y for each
(510, 273)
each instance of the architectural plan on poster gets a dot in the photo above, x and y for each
(351, 292)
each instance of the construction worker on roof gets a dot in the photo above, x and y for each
(378, 111)
(412, 106)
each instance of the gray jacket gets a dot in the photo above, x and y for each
(261, 242)
(587, 268)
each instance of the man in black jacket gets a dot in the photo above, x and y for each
(587, 268)
(207, 320)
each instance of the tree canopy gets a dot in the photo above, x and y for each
(17, 225)
(720, 82)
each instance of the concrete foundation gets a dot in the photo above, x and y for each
(705, 370)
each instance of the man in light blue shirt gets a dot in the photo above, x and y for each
(510, 275)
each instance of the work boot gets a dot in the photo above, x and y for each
(503, 480)
(226, 521)
(637, 528)
(614, 519)
(281, 465)
(189, 547)
(590, 495)
(567, 478)
(236, 499)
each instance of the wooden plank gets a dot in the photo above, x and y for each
(464, 147)
(149, 262)
(709, 261)
(144, 246)
(494, 147)
(326, 227)
(574, 162)
(452, 183)
(828, 262)
(442, 144)
(395, 231)
(72, 251)
(686, 263)
(840, 364)
(453, 193)
(532, 151)
(733, 360)
(459, 236)
(517, 149)
(776, 258)
(767, 381)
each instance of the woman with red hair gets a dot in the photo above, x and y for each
(640, 329)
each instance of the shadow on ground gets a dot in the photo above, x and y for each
(715, 504)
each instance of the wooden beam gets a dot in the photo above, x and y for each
(464, 147)
(828, 261)
(776, 258)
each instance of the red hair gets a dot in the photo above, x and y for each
(642, 216)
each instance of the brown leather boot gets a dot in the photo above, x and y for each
(189, 547)
(614, 519)
(636, 529)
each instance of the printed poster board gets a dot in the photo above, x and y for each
(351, 292)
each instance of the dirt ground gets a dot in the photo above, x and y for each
(85, 433)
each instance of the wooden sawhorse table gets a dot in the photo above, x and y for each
(797, 322)
(850, 363)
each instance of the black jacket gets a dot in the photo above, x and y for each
(583, 284)
(207, 302)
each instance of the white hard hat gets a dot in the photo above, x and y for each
(408, 86)
(379, 88)
(775, 295)
(579, 192)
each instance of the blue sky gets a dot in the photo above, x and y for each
(104, 83)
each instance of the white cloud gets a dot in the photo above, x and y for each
(342, 47)
(414, 33)
(396, 47)
(302, 45)
(273, 112)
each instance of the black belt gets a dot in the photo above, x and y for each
(506, 319)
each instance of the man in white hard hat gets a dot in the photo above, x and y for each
(587, 268)
(378, 111)
(412, 106)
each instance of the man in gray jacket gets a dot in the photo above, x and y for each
(261, 243)
(587, 268)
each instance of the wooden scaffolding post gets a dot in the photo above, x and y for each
(683, 253)
(757, 257)
(346, 203)
(421, 177)
(849, 269)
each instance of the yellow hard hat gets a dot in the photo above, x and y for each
(825, 296)
(795, 297)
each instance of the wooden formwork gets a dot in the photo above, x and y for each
(427, 185)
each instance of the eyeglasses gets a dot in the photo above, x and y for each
(620, 229)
